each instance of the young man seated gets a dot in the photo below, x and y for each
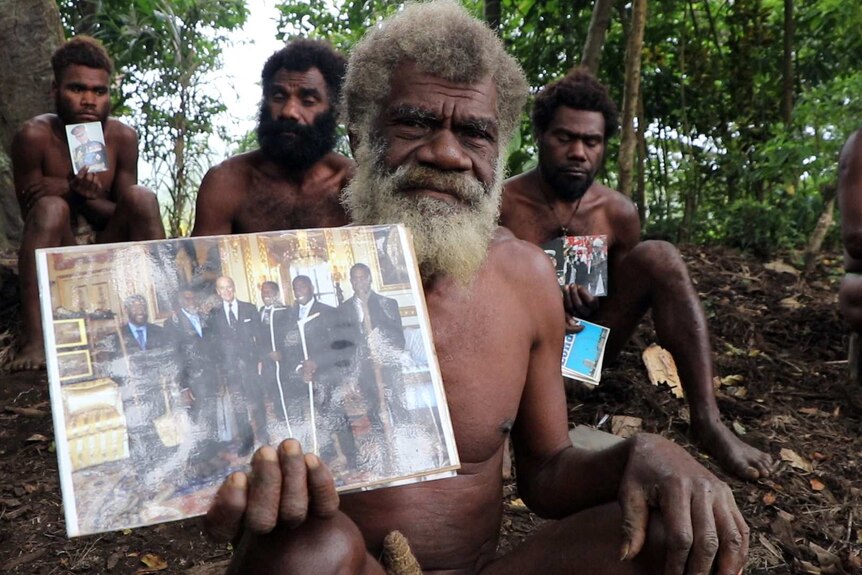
(573, 118)
(62, 207)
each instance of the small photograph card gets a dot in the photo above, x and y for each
(581, 260)
(87, 147)
(584, 352)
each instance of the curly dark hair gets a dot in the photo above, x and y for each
(579, 90)
(303, 54)
(81, 50)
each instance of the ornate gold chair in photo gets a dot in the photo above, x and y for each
(95, 423)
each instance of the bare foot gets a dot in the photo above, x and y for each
(28, 358)
(732, 454)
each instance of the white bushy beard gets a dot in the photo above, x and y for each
(450, 239)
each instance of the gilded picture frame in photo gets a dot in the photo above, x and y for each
(70, 333)
(75, 365)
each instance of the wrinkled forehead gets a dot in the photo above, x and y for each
(413, 87)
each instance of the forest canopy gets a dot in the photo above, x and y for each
(738, 107)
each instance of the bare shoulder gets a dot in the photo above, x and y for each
(518, 200)
(852, 149)
(36, 130)
(234, 171)
(117, 131)
(518, 185)
(618, 207)
(519, 259)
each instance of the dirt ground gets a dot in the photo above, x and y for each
(779, 347)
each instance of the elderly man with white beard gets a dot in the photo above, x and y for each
(431, 99)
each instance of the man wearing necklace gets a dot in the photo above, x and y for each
(573, 119)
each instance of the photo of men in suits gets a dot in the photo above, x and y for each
(233, 329)
(141, 358)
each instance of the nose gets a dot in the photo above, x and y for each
(290, 110)
(88, 97)
(577, 150)
(444, 152)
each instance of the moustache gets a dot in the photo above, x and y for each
(465, 188)
(283, 127)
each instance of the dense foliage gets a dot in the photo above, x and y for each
(745, 110)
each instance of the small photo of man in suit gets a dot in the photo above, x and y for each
(233, 330)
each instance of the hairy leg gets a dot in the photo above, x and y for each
(47, 225)
(587, 542)
(653, 275)
(136, 217)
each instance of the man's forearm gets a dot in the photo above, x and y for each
(573, 480)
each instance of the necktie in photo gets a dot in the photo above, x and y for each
(232, 317)
(142, 340)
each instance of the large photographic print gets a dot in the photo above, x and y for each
(170, 361)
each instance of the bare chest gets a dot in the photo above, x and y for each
(278, 205)
(483, 353)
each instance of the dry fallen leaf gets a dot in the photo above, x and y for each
(661, 368)
(795, 460)
(817, 456)
(817, 485)
(37, 437)
(769, 498)
(625, 426)
(738, 428)
(154, 562)
(732, 379)
(790, 303)
(781, 267)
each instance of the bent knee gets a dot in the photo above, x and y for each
(656, 258)
(850, 300)
(140, 202)
(48, 213)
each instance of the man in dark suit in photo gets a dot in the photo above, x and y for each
(275, 322)
(197, 374)
(233, 329)
(369, 338)
(140, 357)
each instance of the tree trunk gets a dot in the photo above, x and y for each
(824, 222)
(30, 30)
(492, 15)
(640, 191)
(596, 35)
(630, 95)
(787, 83)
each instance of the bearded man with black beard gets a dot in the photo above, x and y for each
(294, 180)
(573, 118)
